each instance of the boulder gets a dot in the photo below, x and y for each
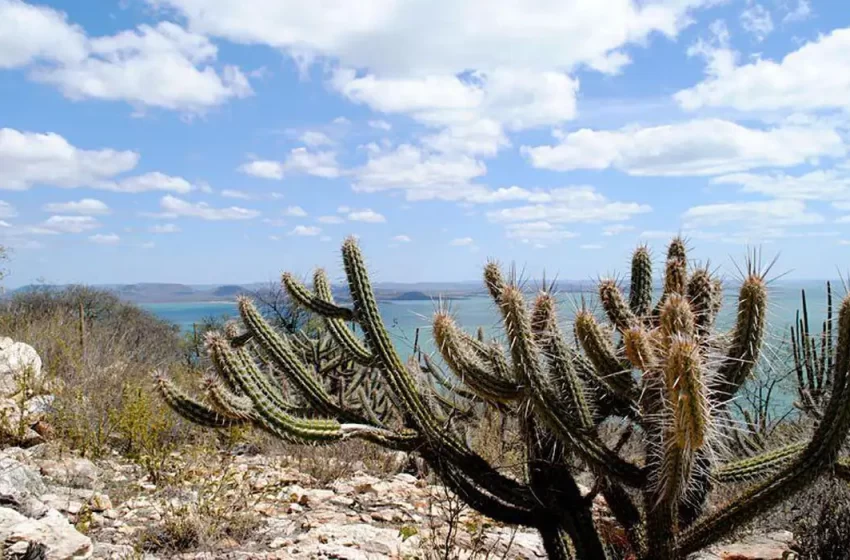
(71, 471)
(20, 365)
(21, 487)
(62, 540)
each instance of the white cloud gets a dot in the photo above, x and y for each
(68, 224)
(305, 231)
(813, 77)
(29, 33)
(315, 138)
(482, 137)
(443, 36)
(380, 125)
(401, 239)
(295, 212)
(105, 239)
(462, 242)
(153, 181)
(697, 147)
(7, 210)
(616, 229)
(570, 205)
(828, 185)
(367, 215)
(419, 174)
(264, 169)
(173, 206)
(28, 158)
(161, 66)
(84, 206)
(164, 228)
(147, 245)
(330, 219)
(232, 193)
(591, 247)
(537, 231)
(771, 213)
(515, 98)
(299, 160)
(756, 19)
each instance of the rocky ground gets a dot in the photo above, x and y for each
(252, 507)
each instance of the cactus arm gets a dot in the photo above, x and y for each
(701, 295)
(312, 302)
(467, 366)
(226, 401)
(337, 327)
(562, 373)
(758, 466)
(640, 289)
(615, 306)
(817, 457)
(526, 362)
(192, 410)
(615, 375)
(403, 388)
(747, 336)
(282, 355)
(440, 377)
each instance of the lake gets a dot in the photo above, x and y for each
(404, 317)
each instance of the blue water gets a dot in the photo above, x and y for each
(403, 318)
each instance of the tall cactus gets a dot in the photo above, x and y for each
(663, 370)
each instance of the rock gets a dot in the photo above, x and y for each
(21, 488)
(71, 471)
(53, 530)
(100, 502)
(773, 546)
(20, 366)
(39, 406)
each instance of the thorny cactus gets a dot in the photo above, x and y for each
(663, 370)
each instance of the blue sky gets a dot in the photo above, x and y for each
(211, 141)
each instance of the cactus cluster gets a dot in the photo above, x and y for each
(660, 368)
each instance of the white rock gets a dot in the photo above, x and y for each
(21, 487)
(63, 541)
(19, 363)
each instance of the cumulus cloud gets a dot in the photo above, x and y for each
(570, 205)
(160, 66)
(770, 213)
(462, 242)
(299, 160)
(295, 212)
(233, 193)
(821, 184)
(29, 158)
(67, 224)
(401, 239)
(812, 77)
(697, 147)
(84, 206)
(176, 207)
(330, 219)
(366, 215)
(306, 231)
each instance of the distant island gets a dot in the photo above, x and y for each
(151, 292)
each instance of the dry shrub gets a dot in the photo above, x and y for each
(98, 353)
(822, 521)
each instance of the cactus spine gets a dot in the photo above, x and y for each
(660, 367)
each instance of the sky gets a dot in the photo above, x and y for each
(212, 141)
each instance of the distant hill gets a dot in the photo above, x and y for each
(228, 291)
(151, 292)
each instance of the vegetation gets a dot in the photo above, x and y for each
(661, 372)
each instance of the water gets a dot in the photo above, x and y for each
(404, 317)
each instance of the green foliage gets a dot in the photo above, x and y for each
(662, 371)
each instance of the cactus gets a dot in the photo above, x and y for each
(662, 369)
